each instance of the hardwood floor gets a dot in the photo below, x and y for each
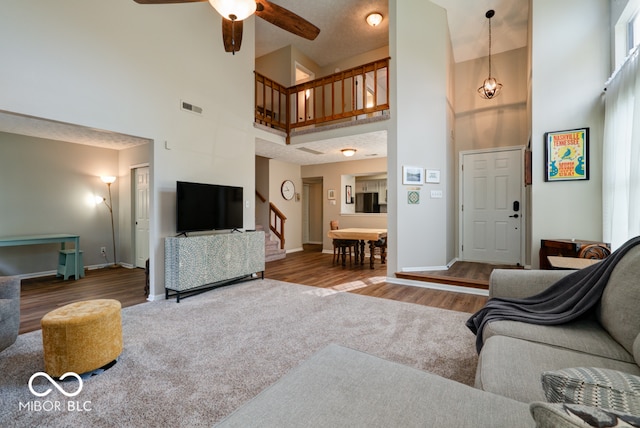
(309, 267)
(312, 267)
(39, 296)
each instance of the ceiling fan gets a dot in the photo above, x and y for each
(235, 11)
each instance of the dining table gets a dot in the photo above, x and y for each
(377, 238)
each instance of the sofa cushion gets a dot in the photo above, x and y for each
(562, 415)
(592, 386)
(584, 335)
(513, 367)
(339, 386)
(618, 310)
(6, 309)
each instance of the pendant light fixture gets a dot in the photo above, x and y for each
(490, 88)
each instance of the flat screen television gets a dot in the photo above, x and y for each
(201, 207)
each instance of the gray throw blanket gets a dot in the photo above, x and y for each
(566, 300)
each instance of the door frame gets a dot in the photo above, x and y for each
(134, 196)
(523, 200)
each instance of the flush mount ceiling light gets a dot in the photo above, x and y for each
(374, 19)
(348, 152)
(490, 88)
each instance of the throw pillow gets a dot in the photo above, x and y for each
(603, 388)
(562, 415)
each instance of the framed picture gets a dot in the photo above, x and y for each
(412, 175)
(348, 195)
(331, 194)
(567, 155)
(432, 176)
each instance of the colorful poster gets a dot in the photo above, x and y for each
(567, 155)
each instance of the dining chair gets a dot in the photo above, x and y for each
(340, 244)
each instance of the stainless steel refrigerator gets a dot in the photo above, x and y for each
(367, 203)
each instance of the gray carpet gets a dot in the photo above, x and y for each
(190, 364)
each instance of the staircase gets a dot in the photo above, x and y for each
(272, 250)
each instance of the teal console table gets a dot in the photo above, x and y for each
(46, 239)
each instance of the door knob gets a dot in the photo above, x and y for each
(514, 216)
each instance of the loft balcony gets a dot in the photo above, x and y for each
(350, 97)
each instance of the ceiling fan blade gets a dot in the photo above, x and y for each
(285, 19)
(231, 35)
(166, 1)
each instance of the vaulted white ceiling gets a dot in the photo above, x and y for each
(344, 33)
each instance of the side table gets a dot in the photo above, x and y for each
(572, 248)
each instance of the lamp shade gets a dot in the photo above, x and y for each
(348, 152)
(108, 179)
(234, 9)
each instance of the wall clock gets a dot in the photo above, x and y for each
(288, 189)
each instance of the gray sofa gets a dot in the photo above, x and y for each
(585, 366)
(9, 310)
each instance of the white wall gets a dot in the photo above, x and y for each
(278, 172)
(418, 234)
(501, 121)
(124, 67)
(570, 63)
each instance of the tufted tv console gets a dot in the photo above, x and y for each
(197, 263)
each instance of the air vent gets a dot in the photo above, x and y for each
(190, 107)
(313, 152)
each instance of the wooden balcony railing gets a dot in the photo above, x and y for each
(356, 93)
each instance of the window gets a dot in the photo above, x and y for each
(633, 32)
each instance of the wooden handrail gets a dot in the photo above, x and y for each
(276, 222)
(262, 198)
(358, 91)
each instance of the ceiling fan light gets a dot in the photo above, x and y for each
(374, 19)
(348, 152)
(234, 9)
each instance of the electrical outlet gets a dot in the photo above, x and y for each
(103, 250)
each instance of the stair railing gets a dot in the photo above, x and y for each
(276, 223)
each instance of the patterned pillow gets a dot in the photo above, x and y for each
(562, 415)
(603, 388)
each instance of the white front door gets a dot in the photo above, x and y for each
(492, 206)
(142, 215)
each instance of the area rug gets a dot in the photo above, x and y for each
(192, 363)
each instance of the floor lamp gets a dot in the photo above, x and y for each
(110, 180)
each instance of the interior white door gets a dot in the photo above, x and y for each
(141, 215)
(492, 210)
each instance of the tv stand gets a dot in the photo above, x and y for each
(199, 263)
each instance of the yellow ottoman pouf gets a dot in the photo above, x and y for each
(82, 336)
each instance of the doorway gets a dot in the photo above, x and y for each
(492, 220)
(141, 215)
(312, 211)
(305, 98)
